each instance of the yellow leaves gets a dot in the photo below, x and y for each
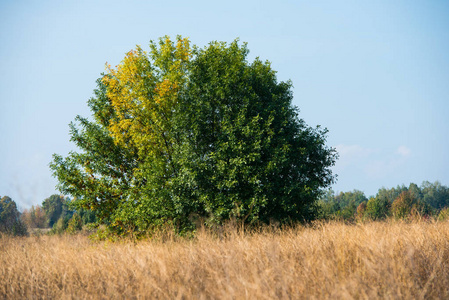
(165, 93)
(143, 90)
(183, 49)
(171, 58)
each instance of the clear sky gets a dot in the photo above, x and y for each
(375, 73)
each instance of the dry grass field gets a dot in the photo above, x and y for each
(390, 260)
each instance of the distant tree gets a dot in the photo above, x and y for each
(35, 217)
(10, 222)
(67, 209)
(60, 226)
(87, 216)
(348, 202)
(435, 194)
(341, 206)
(75, 224)
(390, 194)
(53, 208)
(40, 219)
(361, 210)
(56, 207)
(403, 205)
(354, 197)
(328, 206)
(28, 217)
(377, 208)
(415, 191)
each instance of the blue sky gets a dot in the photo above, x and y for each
(375, 73)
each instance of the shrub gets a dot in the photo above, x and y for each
(60, 226)
(444, 214)
(75, 224)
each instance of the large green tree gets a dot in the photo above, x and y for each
(185, 134)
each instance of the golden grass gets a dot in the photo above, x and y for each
(391, 260)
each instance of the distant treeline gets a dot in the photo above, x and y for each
(55, 213)
(430, 200)
(427, 200)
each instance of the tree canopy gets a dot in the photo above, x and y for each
(183, 134)
(10, 222)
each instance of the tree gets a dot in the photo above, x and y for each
(406, 204)
(10, 222)
(35, 217)
(391, 194)
(53, 208)
(342, 206)
(56, 207)
(328, 207)
(377, 208)
(87, 216)
(349, 202)
(361, 209)
(75, 224)
(183, 134)
(415, 191)
(60, 226)
(435, 194)
(354, 198)
(247, 153)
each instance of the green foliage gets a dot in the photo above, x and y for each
(402, 206)
(350, 198)
(246, 153)
(327, 210)
(75, 224)
(113, 166)
(60, 226)
(341, 206)
(415, 191)
(186, 134)
(444, 214)
(424, 201)
(389, 195)
(435, 195)
(10, 222)
(349, 201)
(377, 208)
(328, 207)
(406, 205)
(54, 206)
(87, 216)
